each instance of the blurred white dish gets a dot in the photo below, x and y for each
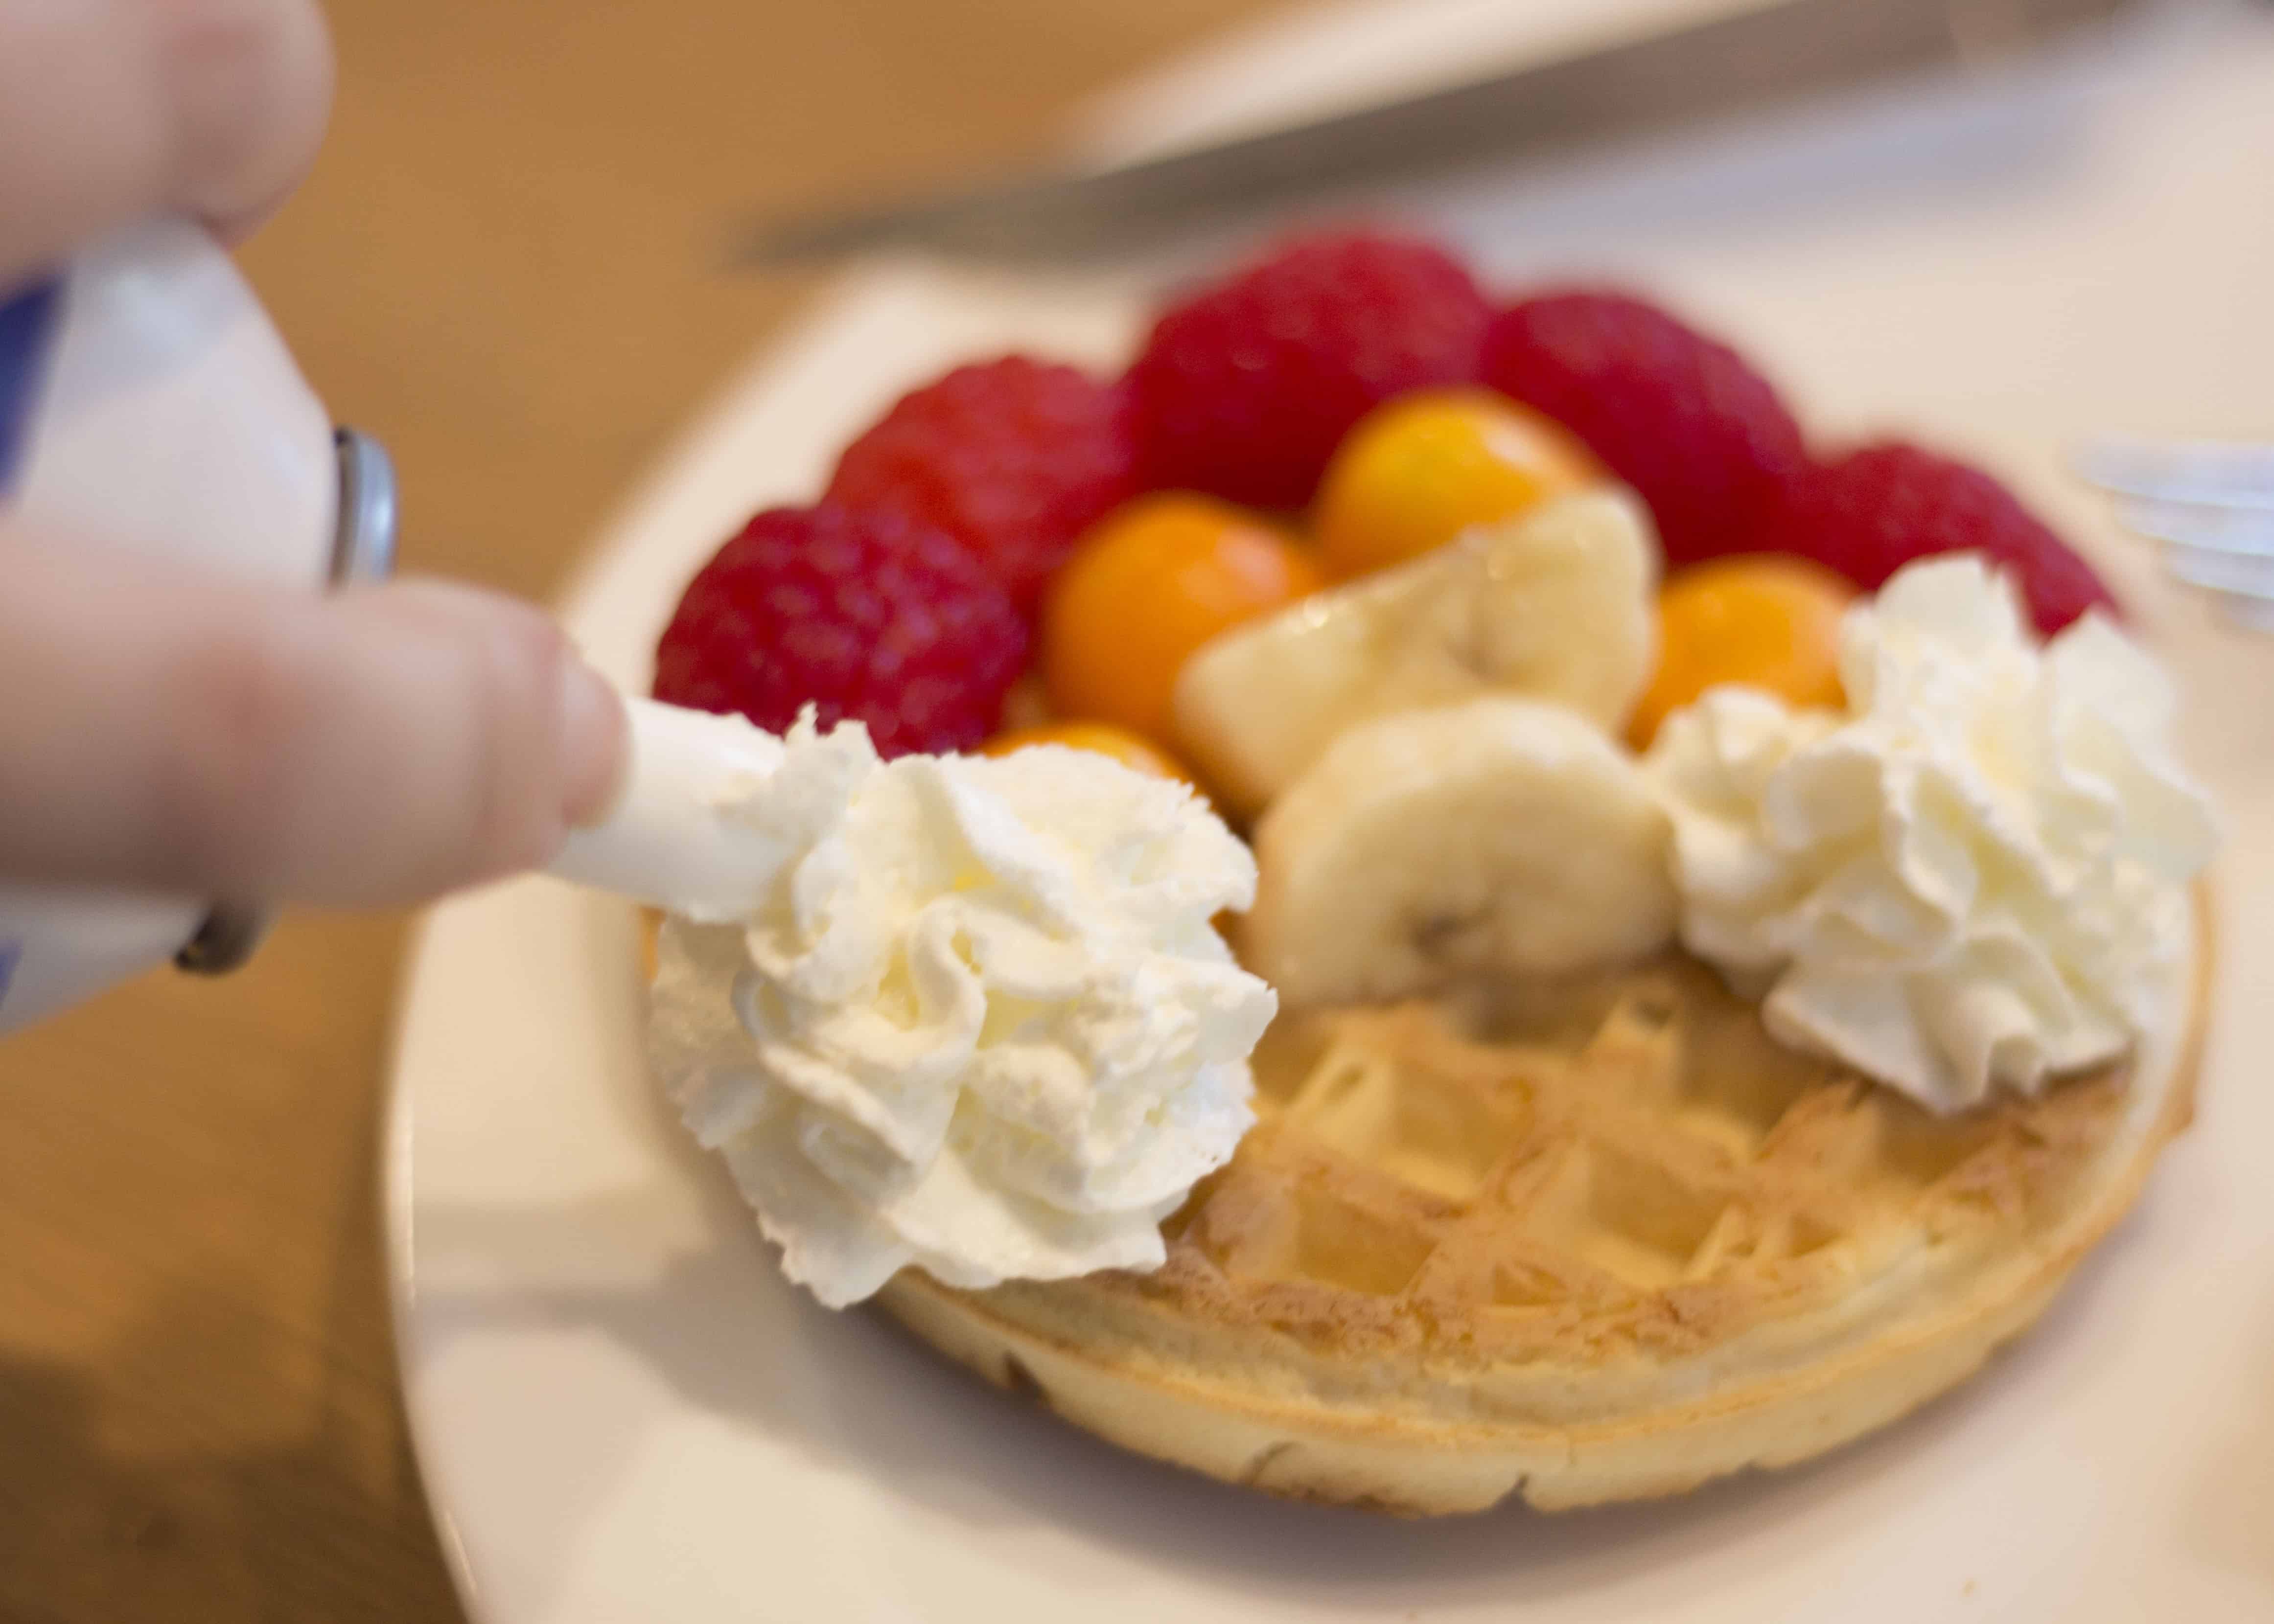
(624, 1413)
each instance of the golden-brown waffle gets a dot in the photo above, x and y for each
(1589, 1241)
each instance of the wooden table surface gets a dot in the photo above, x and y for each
(499, 267)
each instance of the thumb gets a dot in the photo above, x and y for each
(115, 111)
(164, 730)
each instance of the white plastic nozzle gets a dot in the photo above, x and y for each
(674, 837)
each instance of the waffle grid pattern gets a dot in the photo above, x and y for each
(1630, 1166)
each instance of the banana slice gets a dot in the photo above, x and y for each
(1556, 605)
(1499, 835)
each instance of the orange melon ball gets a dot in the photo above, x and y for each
(1102, 738)
(1419, 469)
(1766, 619)
(1148, 584)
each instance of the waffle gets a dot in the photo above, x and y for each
(1585, 1242)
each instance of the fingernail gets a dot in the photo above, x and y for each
(592, 733)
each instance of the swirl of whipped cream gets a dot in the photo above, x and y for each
(1974, 875)
(982, 1024)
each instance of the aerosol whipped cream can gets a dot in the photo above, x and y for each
(145, 399)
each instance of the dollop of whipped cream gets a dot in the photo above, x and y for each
(1973, 877)
(982, 1023)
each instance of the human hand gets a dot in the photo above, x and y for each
(165, 729)
(113, 111)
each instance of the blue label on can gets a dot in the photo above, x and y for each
(26, 321)
(11, 954)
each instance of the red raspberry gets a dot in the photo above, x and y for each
(1872, 511)
(864, 615)
(1699, 435)
(1014, 458)
(1245, 389)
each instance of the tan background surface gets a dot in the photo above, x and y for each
(499, 266)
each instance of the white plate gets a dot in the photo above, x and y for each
(622, 1412)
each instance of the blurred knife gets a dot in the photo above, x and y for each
(1784, 51)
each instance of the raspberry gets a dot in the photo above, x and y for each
(1243, 390)
(864, 615)
(1700, 436)
(1872, 511)
(1014, 458)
